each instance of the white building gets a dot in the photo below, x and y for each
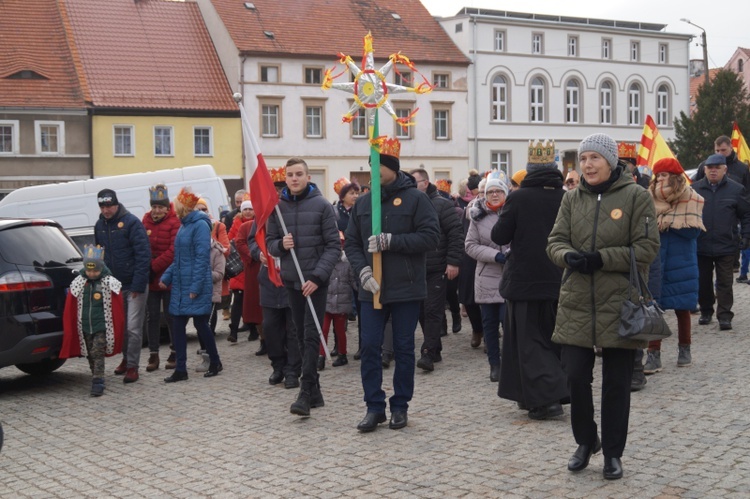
(276, 53)
(554, 77)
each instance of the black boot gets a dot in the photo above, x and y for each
(316, 397)
(262, 350)
(301, 406)
(456, 322)
(321, 362)
(232, 338)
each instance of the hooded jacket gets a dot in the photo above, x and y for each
(488, 274)
(127, 251)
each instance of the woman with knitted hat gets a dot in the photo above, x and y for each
(596, 227)
(679, 211)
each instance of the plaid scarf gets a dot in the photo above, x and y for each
(677, 210)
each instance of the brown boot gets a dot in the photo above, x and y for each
(119, 370)
(153, 362)
(476, 339)
(171, 361)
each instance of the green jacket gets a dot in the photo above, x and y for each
(588, 313)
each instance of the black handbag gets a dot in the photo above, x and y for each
(234, 265)
(642, 318)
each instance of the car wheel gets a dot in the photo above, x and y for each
(41, 368)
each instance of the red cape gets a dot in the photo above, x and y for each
(71, 346)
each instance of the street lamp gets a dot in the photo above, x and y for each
(705, 46)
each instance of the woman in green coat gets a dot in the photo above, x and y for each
(597, 224)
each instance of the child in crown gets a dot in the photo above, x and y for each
(93, 319)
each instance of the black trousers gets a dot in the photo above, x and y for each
(432, 313)
(724, 280)
(281, 341)
(617, 372)
(308, 337)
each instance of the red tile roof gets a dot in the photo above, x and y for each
(322, 28)
(695, 84)
(147, 54)
(33, 39)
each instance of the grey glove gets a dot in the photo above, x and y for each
(368, 281)
(379, 243)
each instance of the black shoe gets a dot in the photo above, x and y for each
(341, 360)
(398, 420)
(443, 332)
(213, 370)
(371, 421)
(725, 324)
(245, 328)
(436, 357)
(456, 323)
(612, 468)
(741, 279)
(316, 398)
(276, 378)
(262, 350)
(386, 359)
(253, 335)
(704, 319)
(425, 362)
(291, 381)
(334, 352)
(232, 338)
(495, 373)
(321, 362)
(301, 406)
(352, 317)
(358, 354)
(176, 376)
(546, 412)
(638, 382)
(580, 458)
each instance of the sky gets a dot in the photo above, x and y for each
(726, 29)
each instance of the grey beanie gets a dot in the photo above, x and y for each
(603, 144)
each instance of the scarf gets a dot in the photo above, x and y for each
(677, 210)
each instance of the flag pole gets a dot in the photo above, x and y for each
(302, 281)
(377, 258)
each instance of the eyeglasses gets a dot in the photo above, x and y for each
(570, 182)
(494, 193)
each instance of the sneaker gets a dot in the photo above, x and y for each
(741, 279)
(97, 387)
(425, 362)
(684, 358)
(653, 362)
(638, 382)
(206, 362)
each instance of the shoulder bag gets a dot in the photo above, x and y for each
(642, 318)
(234, 265)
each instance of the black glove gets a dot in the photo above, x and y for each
(575, 261)
(500, 257)
(745, 243)
(593, 262)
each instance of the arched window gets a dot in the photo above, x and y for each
(499, 99)
(662, 106)
(537, 100)
(605, 103)
(634, 104)
(572, 102)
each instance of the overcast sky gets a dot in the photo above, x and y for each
(727, 27)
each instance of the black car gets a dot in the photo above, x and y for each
(38, 261)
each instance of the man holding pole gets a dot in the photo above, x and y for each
(307, 241)
(409, 230)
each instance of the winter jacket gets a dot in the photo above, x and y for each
(342, 215)
(127, 252)
(479, 245)
(679, 269)
(525, 222)
(271, 296)
(343, 281)
(450, 247)
(588, 312)
(238, 282)
(218, 263)
(725, 205)
(161, 236)
(190, 271)
(736, 170)
(311, 221)
(408, 215)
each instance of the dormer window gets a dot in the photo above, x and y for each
(26, 74)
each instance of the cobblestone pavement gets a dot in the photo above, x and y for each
(233, 435)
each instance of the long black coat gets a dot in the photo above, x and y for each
(450, 248)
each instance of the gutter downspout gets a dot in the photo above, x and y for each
(474, 103)
(241, 89)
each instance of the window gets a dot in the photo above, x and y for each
(124, 144)
(50, 137)
(163, 145)
(359, 126)
(605, 103)
(537, 43)
(203, 141)
(572, 102)
(270, 117)
(499, 98)
(634, 104)
(459, 27)
(402, 132)
(269, 74)
(441, 80)
(573, 46)
(662, 106)
(441, 123)
(499, 40)
(740, 66)
(9, 142)
(635, 51)
(500, 160)
(606, 48)
(663, 53)
(313, 76)
(537, 100)
(403, 78)
(314, 120)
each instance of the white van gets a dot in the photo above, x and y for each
(73, 204)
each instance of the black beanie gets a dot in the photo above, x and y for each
(107, 197)
(390, 162)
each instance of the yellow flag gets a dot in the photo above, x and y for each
(653, 146)
(740, 145)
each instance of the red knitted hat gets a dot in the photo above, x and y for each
(669, 165)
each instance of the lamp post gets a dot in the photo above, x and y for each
(705, 46)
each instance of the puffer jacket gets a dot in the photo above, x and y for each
(343, 281)
(161, 236)
(127, 252)
(238, 282)
(218, 263)
(489, 273)
(450, 248)
(311, 221)
(724, 206)
(588, 312)
(408, 215)
(271, 296)
(679, 269)
(190, 271)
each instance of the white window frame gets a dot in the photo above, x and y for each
(499, 41)
(210, 140)
(320, 72)
(170, 128)
(537, 43)
(310, 119)
(573, 101)
(572, 46)
(499, 99)
(635, 51)
(537, 100)
(400, 132)
(441, 80)
(500, 160)
(634, 104)
(404, 78)
(131, 152)
(441, 115)
(15, 140)
(607, 48)
(263, 67)
(606, 106)
(359, 122)
(663, 53)
(662, 105)
(60, 137)
(267, 119)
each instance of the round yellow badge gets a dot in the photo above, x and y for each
(120, 225)
(148, 232)
(97, 296)
(616, 214)
(397, 202)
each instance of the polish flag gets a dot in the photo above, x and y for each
(262, 191)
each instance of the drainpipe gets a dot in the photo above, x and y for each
(474, 103)
(241, 89)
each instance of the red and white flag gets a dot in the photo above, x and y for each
(262, 191)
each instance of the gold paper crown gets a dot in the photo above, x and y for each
(626, 150)
(278, 174)
(91, 252)
(187, 198)
(390, 147)
(158, 192)
(443, 185)
(541, 152)
(340, 183)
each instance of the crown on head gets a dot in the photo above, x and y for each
(443, 185)
(340, 183)
(626, 150)
(278, 174)
(158, 192)
(541, 152)
(390, 147)
(92, 253)
(187, 198)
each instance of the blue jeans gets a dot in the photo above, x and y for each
(404, 319)
(179, 339)
(745, 261)
(493, 314)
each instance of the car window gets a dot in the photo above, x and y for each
(38, 245)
